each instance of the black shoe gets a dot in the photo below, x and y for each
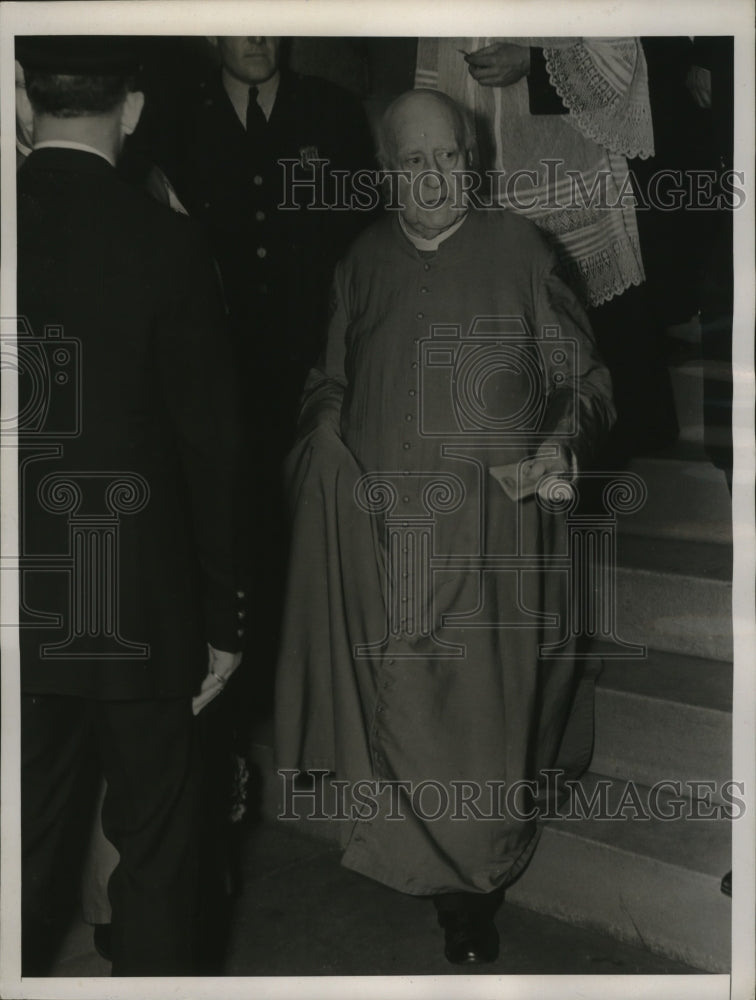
(103, 941)
(470, 939)
(726, 884)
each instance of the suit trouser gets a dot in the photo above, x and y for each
(150, 814)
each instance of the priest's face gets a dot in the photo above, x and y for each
(251, 59)
(426, 143)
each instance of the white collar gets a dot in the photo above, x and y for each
(432, 244)
(68, 144)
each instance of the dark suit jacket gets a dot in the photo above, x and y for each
(128, 466)
(276, 264)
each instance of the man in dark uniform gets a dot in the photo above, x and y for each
(130, 617)
(254, 142)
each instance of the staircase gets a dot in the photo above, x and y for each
(652, 881)
(667, 717)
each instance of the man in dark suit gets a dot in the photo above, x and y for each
(130, 617)
(259, 137)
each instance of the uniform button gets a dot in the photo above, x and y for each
(415, 340)
(424, 290)
(379, 708)
(405, 499)
(257, 179)
(392, 662)
(260, 216)
(426, 267)
(262, 252)
(414, 363)
(406, 446)
(240, 594)
(421, 315)
(412, 392)
(241, 614)
(206, 204)
(408, 416)
(240, 632)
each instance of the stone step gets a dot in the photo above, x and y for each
(688, 388)
(674, 596)
(654, 882)
(687, 499)
(665, 718)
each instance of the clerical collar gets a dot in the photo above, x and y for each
(68, 144)
(238, 94)
(420, 243)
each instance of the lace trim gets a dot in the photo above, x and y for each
(601, 276)
(608, 103)
(567, 220)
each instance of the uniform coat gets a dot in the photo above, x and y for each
(276, 266)
(276, 263)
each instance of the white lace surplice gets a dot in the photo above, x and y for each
(603, 82)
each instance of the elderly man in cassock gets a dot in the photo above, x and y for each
(420, 595)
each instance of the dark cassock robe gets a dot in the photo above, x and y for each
(419, 597)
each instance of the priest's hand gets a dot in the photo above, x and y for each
(499, 65)
(220, 667)
(698, 85)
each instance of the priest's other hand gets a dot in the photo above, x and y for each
(499, 65)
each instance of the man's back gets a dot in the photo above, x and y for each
(147, 387)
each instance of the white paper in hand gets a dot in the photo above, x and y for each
(518, 479)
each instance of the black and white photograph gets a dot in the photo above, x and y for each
(377, 456)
